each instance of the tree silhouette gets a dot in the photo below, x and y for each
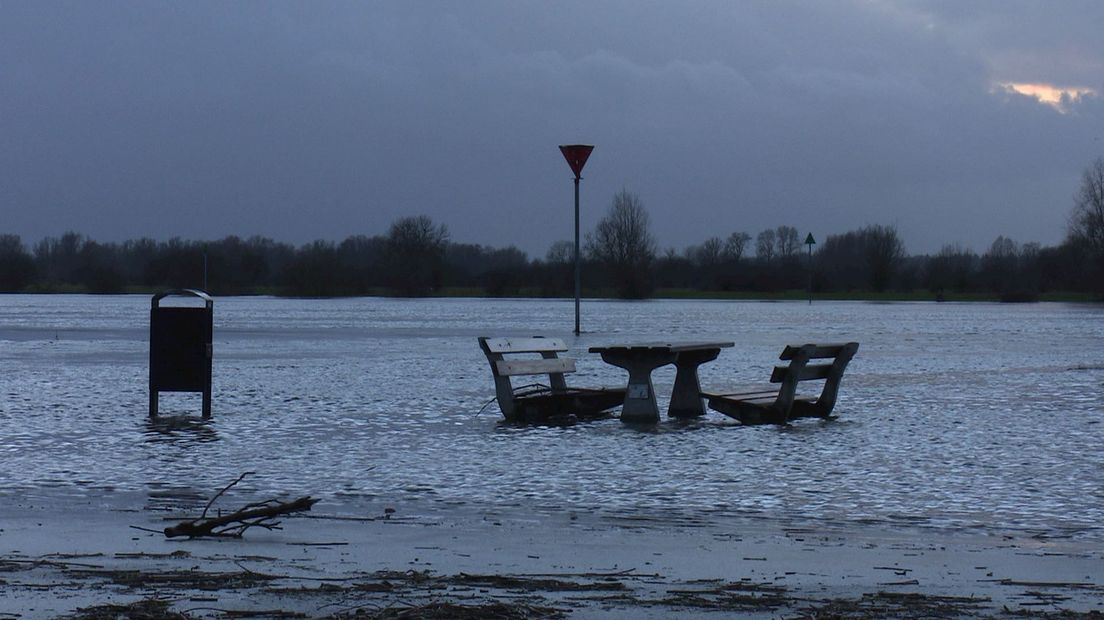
(787, 241)
(623, 244)
(1086, 226)
(736, 245)
(764, 245)
(17, 268)
(415, 255)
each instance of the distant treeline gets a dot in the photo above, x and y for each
(620, 258)
(416, 258)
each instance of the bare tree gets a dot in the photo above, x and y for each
(559, 269)
(1003, 248)
(17, 268)
(1087, 222)
(998, 265)
(623, 243)
(561, 253)
(952, 268)
(735, 246)
(59, 259)
(708, 254)
(884, 252)
(764, 245)
(787, 241)
(869, 256)
(415, 254)
(1086, 225)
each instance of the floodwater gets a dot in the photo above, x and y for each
(981, 417)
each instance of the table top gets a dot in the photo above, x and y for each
(664, 347)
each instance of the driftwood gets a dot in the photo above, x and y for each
(234, 524)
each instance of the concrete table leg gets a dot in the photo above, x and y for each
(640, 401)
(686, 400)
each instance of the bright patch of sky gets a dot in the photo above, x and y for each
(1061, 98)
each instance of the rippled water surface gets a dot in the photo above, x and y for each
(983, 416)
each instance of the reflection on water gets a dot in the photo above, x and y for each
(180, 429)
(981, 416)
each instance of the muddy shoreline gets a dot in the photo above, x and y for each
(96, 563)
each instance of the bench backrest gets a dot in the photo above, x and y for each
(800, 370)
(549, 363)
(548, 348)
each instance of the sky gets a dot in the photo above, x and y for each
(955, 122)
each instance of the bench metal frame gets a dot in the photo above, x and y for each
(779, 405)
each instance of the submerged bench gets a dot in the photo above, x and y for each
(535, 403)
(779, 405)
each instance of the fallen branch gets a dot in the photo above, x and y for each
(236, 523)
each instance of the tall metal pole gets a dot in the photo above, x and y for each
(576, 156)
(809, 241)
(578, 277)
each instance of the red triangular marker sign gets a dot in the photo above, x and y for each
(576, 156)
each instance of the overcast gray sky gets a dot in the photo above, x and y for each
(309, 120)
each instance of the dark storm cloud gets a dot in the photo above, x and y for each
(309, 120)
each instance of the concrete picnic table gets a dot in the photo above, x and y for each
(640, 359)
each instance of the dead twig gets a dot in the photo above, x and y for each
(224, 489)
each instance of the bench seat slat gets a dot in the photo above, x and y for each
(524, 345)
(510, 368)
(743, 394)
(762, 400)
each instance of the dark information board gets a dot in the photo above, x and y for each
(181, 348)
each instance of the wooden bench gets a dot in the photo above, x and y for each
(555, 402)
(779, 405)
